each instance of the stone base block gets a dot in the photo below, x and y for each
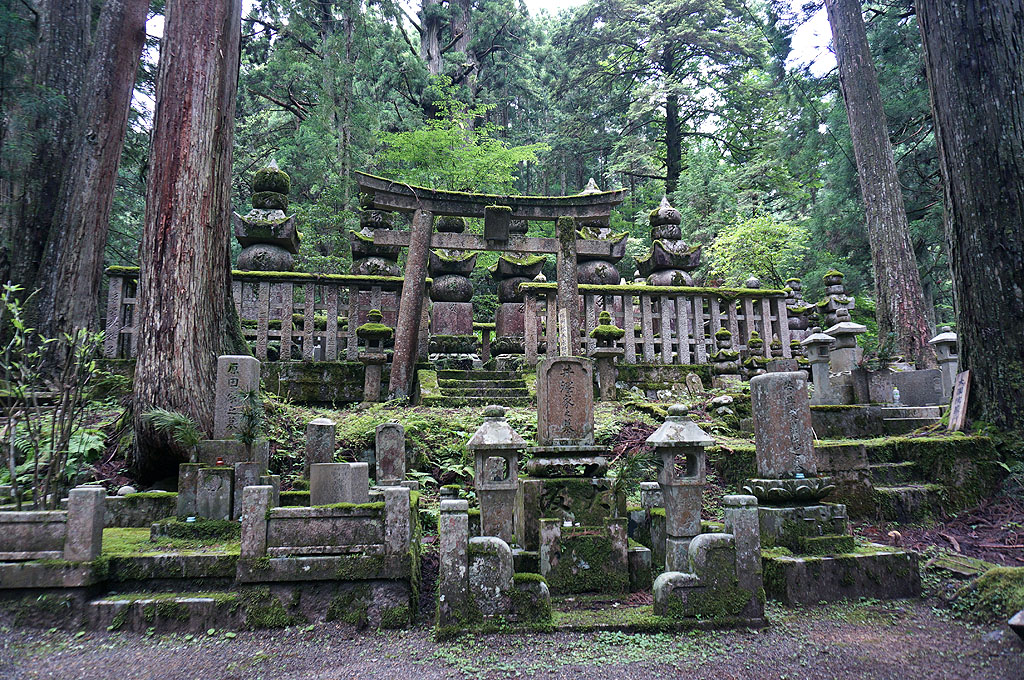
(232, 451)
(786, 526)
(451, 318)
(640, 575)
(582, 500)
(510, 319)
(878, 572)
(589, 559)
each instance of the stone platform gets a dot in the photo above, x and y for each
(871, 570)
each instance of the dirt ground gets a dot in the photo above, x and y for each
(907, 640)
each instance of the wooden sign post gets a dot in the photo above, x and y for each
(958, 407)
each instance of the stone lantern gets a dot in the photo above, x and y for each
(845, 354)
(374, 334)
(817, 345)
(496, 446)
(681, 444)
(945, 352)
(606, 334)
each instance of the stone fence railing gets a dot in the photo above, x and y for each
(663, 324)
(286, 316)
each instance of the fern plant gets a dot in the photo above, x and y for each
(181, 428)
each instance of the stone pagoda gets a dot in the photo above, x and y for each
(671, 260)
(268, 236)
(593, 269)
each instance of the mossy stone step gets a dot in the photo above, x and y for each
(895, 426)
(934, 412)
(909, 502)
(467, 384)
(166, 612)
(443, 401)
(454, 374)
(889, 474)
(499, 392)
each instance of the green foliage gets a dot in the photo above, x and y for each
(760, 246)
(454, 151)
(180, 427)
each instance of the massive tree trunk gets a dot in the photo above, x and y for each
(899, 298)
(974, 57)
(73, 262)
(46, 137)
(185, 314)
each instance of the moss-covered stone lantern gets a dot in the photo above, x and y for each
(681, 445)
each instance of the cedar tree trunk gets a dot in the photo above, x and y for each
(73, 263)
(974, 57)
(899, 299)
(60, 56)
(185, 314)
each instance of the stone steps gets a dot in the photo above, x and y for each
(495, 392)
(934, 412)
(171, 612)
(895, 426)
(890, 474)
(480, 388)
(481, 402)
(909, 502)
(453, 374)
(466, 384)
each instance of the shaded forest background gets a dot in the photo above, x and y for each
(692, 98)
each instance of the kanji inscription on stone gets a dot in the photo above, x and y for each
(565, 401)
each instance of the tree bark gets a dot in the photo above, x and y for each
(61, 53)
(974, 58)
(73, 262)
(185, 314)
(899, 300)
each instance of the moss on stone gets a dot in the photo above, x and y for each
(200, 529)
(272, 179)
(264, 610)
(395, 617)
(635, 289)
(996, 595)
(294, 498)
(377, 506)
(350, 606)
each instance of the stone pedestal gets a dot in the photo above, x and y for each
(374, 363)
(339, 483)
(256, 503)
(453, 576)
(451, 318)
(509, 320)
(606, 371)
(188, 489)
(321, 440)
(86, 508)
(245, 474)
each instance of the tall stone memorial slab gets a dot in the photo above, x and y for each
(783, 437)
(565, 401)
(390, 447)
(236, 375)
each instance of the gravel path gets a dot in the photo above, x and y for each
(906, 640)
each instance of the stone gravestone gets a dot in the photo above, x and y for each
(236, 375)
(919, 388)
(214, 498)
(565, 401)
(694, 386)
(783, 437)
(390, 447)
(958, 407)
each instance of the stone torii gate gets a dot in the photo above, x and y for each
(497, 213)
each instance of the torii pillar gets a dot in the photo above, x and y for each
(410, 309)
